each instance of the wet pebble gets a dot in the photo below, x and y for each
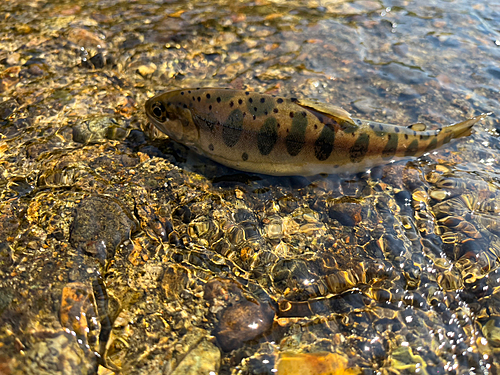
(322, 363)
(491, 330)
(99, 226)
(274, 228)
(404, 74)
(35, 70)
(175, 280)
(494, 72)
(242, 322)
(85, 38)
(98, 130)
(147, 70)
(75, 308)
(346, 213)
(183, 214)
(366, 105)
(57, 354)
(202, 359)
(13, 58)
(239, 318)
(7, 108)
(9, 77)
(98, 61)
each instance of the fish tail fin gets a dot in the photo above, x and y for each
(464, 128)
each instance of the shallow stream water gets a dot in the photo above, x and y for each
(123, 252)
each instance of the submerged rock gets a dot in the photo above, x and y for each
(99, 226)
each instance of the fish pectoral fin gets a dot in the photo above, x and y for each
(338, 114)
(418, 127)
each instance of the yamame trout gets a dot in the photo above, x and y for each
(287, 136)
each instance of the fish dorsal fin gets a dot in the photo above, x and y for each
(418, 127)
(338, 114)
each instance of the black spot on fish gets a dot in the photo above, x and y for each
(372, 126)
(275, 110)
(295, 140)
(264, 107)
(211, 147)
(244, 156)
(315, 126)
(189, 92)
(254, 117)
(294, 100)
(406, 136)
(240, 101)
(210, 107)
(182, 92)
(348, 127)
(267, 136)
(381, 127)
(358, 151)
(247, 93)
(194, 99)
(291, 114)
(304, 114)
(218, 99)
(199, 99)
(323, 146)
(432, 145)
(279, 100)
(184, 106)
(425, 136)
(208, 96)
(391, 147)
(359, 122)
(231, 104)
(232, 128)
(396, 130)
(412, 148)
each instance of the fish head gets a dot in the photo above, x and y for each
(171, 115)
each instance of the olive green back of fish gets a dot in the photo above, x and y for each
(286, 136)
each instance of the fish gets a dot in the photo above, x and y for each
(282, 136)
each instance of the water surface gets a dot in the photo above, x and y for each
(120, 253)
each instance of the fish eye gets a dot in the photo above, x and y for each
(158, 110)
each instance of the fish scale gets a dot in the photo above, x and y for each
(287, 136)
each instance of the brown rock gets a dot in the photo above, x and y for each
(243, 322)
(346, 213)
